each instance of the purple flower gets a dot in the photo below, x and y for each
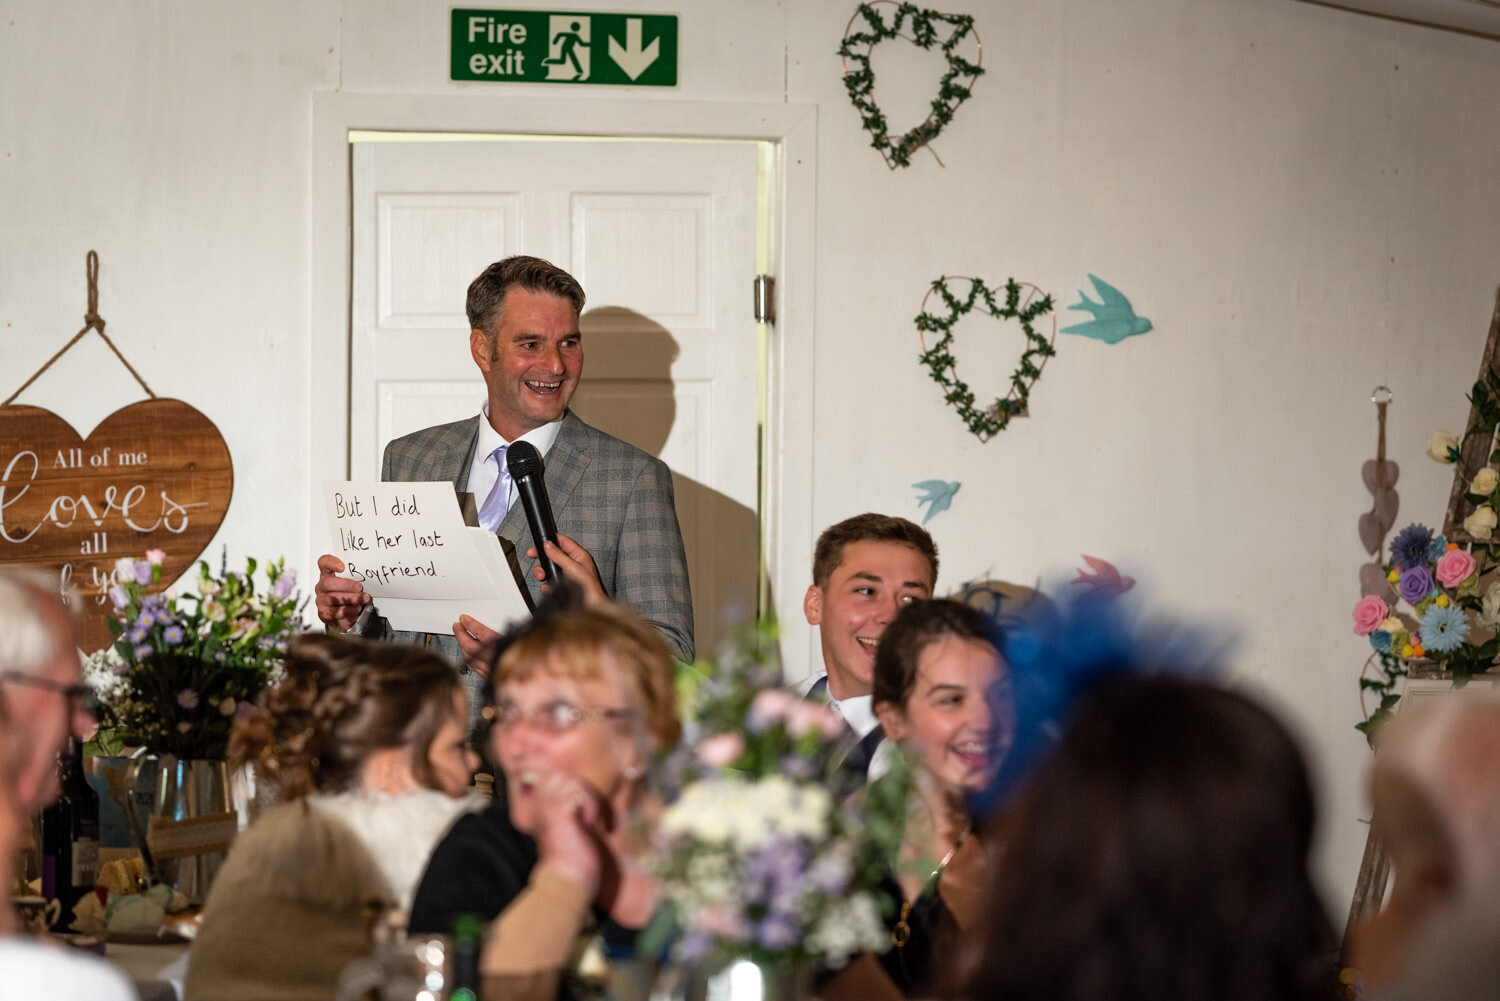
(694, 947)
(138, 633)
(143, 573)
(187, 698)
(829, 874)
(118, 597)
(1409, 547)
(173, 635)
(143, 651)
(778, 931)
(1415, 584)
(795, 766)
(284, 585)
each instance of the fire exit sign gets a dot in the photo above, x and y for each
(550, 46)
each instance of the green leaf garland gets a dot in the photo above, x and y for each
(991, 420)
(859, 78)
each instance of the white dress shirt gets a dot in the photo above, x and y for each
(483, 473)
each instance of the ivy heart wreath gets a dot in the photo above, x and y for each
(990, 421)
(953, 88)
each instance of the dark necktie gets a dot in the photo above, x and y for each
(859, 756)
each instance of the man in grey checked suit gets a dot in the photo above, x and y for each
(613, 502)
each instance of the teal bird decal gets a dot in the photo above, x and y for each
(936, 493)
(1114, 317)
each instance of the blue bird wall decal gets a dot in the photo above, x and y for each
(1114, 317)
(936, 493)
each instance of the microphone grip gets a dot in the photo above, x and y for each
(538, 508)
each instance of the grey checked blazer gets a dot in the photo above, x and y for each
(610, 496)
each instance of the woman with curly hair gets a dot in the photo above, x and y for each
(365, 743)
(1161, 852)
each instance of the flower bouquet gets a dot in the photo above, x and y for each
(763, 855)
(183, 667)
(1443, 613)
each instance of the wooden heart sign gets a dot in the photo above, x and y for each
(153, 475)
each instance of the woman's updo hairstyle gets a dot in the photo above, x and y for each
(343, 698)
(915, 626)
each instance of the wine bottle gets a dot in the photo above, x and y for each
(468, 938)
(70, 836)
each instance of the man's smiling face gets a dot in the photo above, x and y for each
(872, 582)
(534, 365)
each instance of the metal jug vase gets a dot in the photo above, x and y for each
(192, 822)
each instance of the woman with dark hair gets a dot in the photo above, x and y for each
(940, 694)
(1160, 853)
(366, 742)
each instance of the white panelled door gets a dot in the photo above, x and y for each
(662, 235)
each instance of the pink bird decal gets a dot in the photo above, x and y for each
(1105, 577)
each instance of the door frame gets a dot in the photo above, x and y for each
(787, 492)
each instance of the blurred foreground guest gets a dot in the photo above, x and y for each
(41, 682)
(1436, 794)
(1160, 853)
(582, 700)
(31, 968)
(366, 740)
(940, 694)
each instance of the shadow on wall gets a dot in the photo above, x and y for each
(627, 390)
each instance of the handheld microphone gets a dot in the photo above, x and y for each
(524, 463)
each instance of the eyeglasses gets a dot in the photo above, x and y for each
(553, 717)
(77, 693)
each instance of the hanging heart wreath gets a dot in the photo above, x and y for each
(859, 78)
(988, 421)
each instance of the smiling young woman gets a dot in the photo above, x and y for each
(941, 693)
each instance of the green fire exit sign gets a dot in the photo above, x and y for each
(551, 46)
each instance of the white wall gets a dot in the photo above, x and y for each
(1299, 198)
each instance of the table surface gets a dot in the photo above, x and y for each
(157, 970)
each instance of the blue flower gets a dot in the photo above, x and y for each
(138, 634)
(1409, 547)
(173, 635)
(1444, 628)
(1437, 547)
(1381, 640)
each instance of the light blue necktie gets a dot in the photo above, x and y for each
(498, 502)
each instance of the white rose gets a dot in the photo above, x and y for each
(1489, 612)
(1439, 444)
(1485, 481)
(1481, 522)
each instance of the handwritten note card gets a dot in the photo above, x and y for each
(409, 547)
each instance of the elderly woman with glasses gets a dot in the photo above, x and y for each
(583, 698)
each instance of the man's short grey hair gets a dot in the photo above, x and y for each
(28, 641)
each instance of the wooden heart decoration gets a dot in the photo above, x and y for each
(988, 421)
(153, 475)
(859, 78)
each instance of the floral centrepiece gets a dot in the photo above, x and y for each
(1446, 612)
(183, 667)
(762, 857)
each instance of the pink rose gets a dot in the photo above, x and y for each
(769, 707)
(721, 749)
(806, 717)
(1369, 613)
(156, 557)
(1454, 568)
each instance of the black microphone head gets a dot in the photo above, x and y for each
(522, 459)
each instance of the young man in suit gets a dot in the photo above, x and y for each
(865, 569)
(612, 502)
